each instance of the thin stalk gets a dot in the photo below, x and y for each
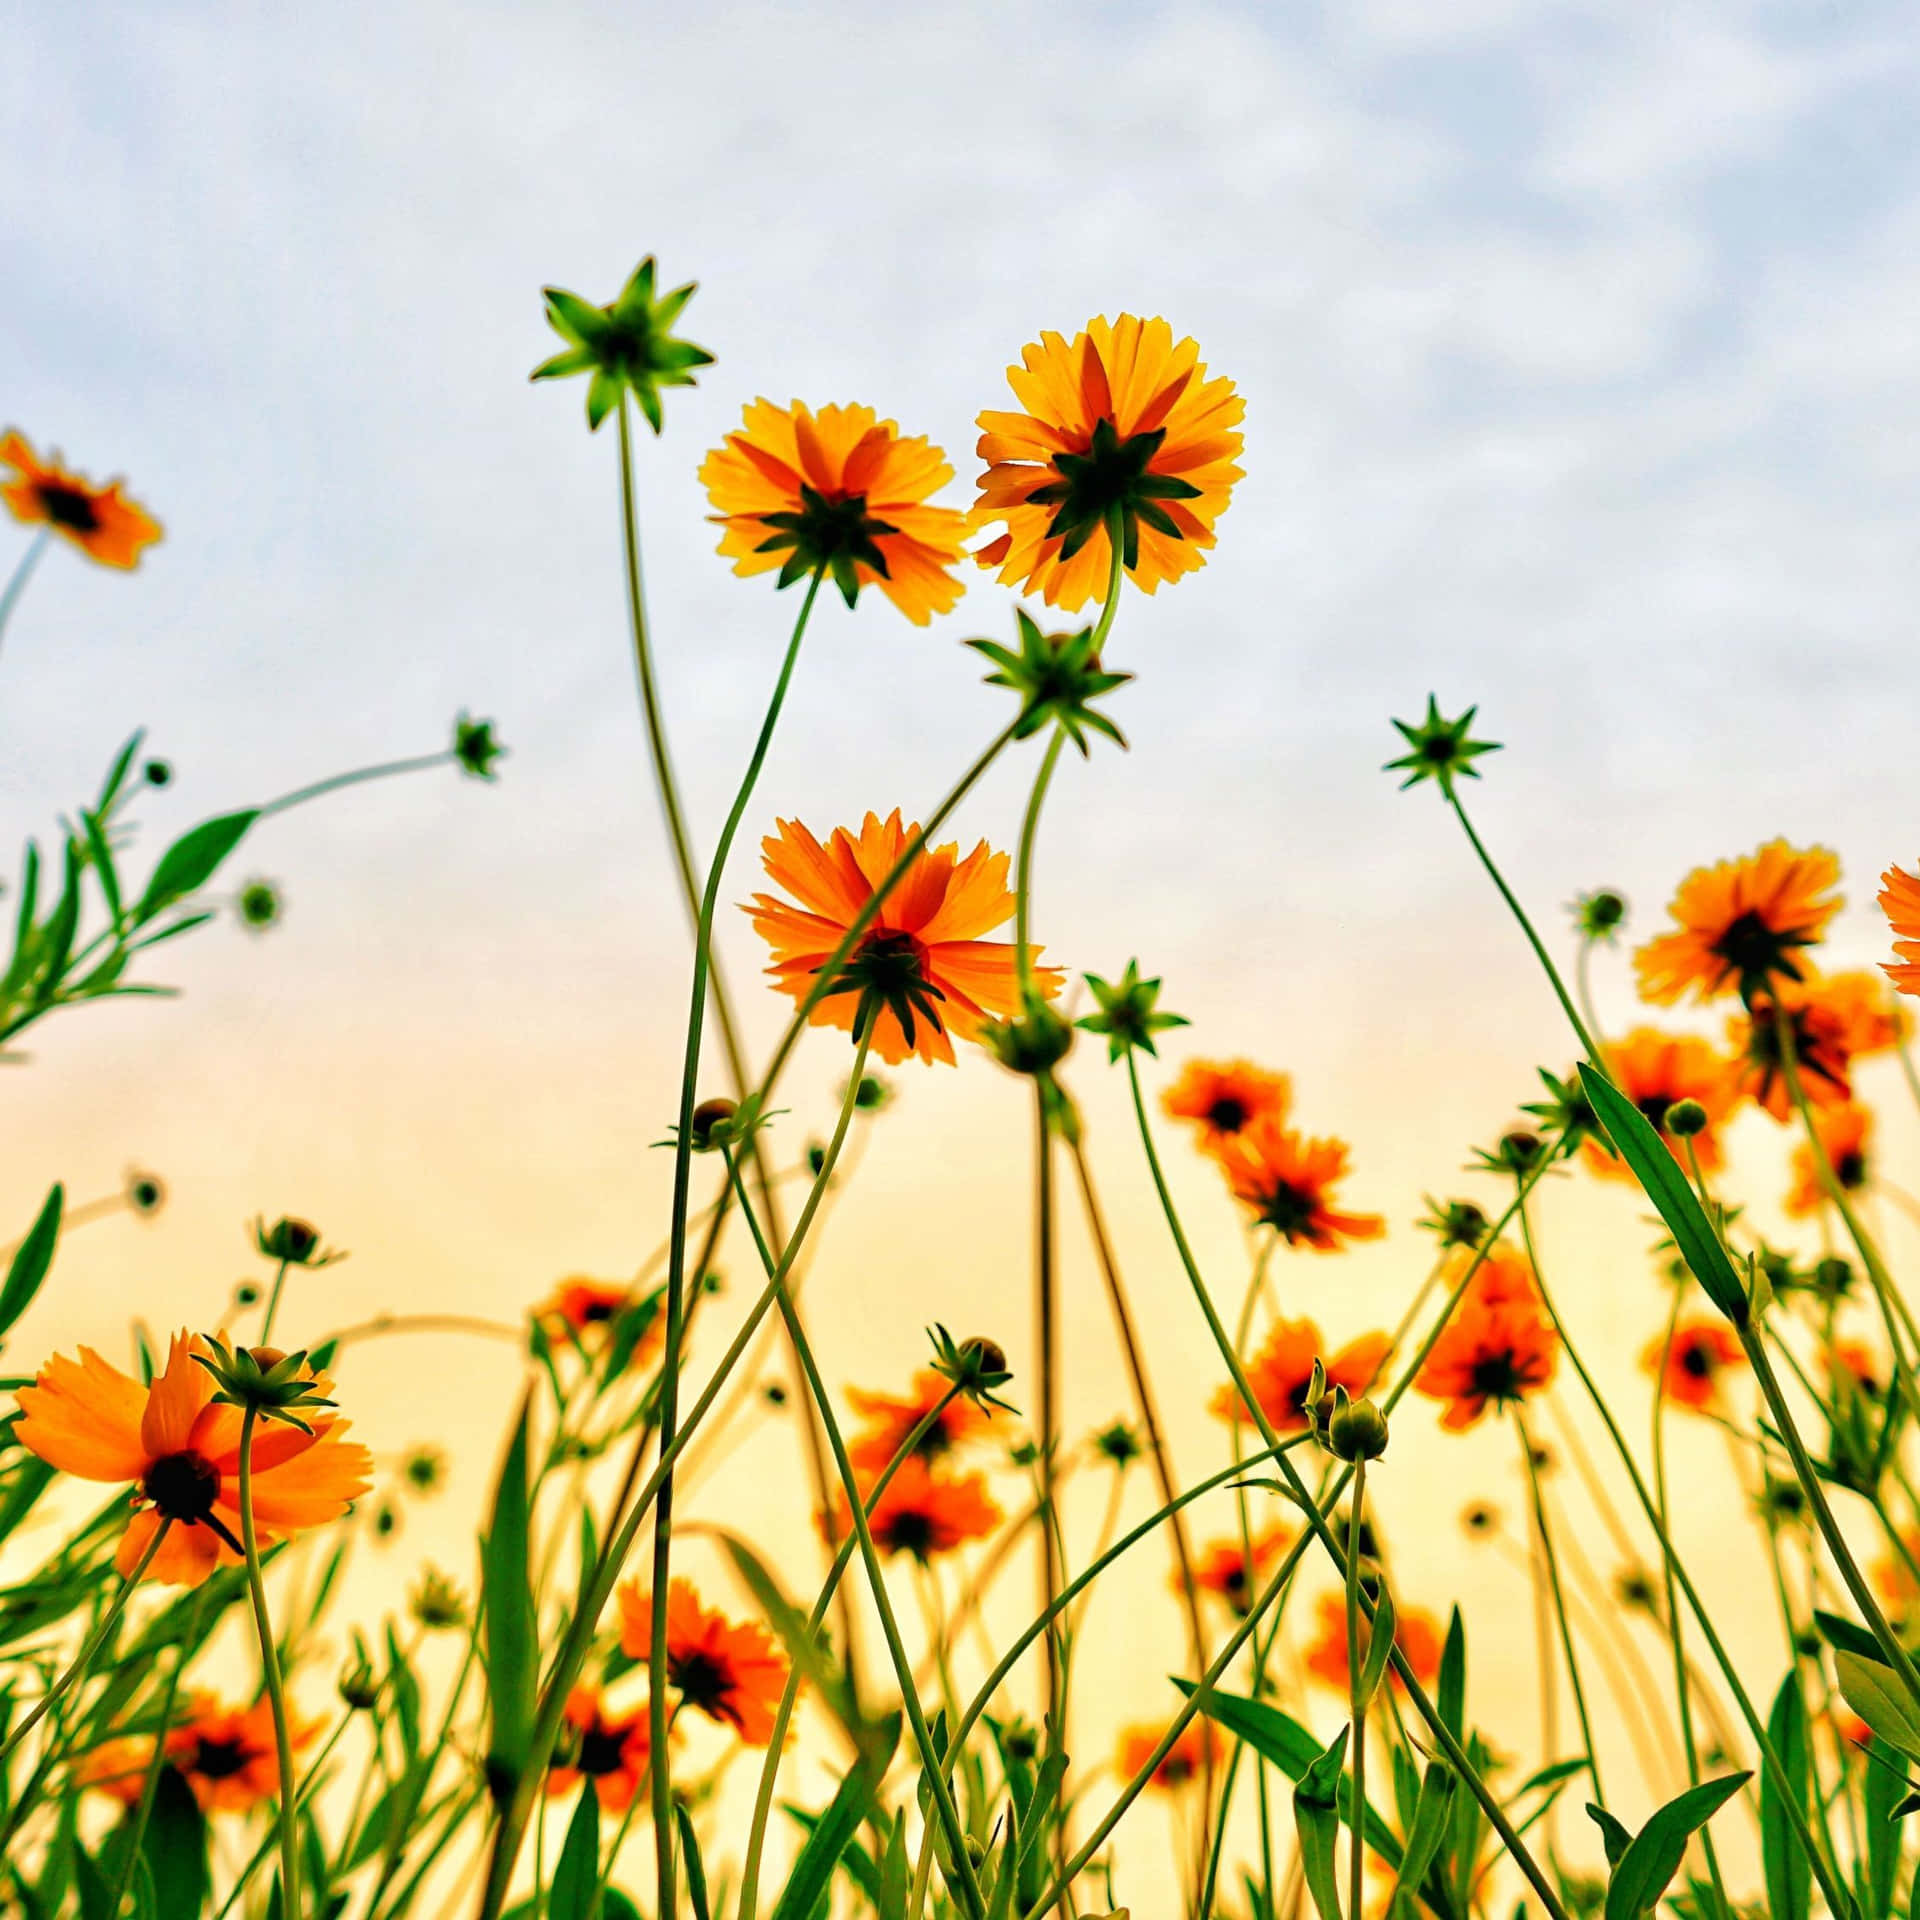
(1559, 1602)
(22, 574)
(1583, 989)
(661, 1772)
(1356, 1707)
(386, 770)
(273, 1303)
(270, 1673)
(1046, 1310)
(944, 1805)
(88, 1653)
(1540, 953)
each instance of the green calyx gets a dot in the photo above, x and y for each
(885, 971)
(1111, 476)
(1055, 675)
(830, 534)
(275, 1385)
(976, 1366)
(1567, 1112)
(474, 747)
(1443, 750)
(1129, 1013)
(628, 347)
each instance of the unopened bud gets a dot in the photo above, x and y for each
(1684, 1119)
(712, 1124)
(1358, 1429)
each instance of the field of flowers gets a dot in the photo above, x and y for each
(572, 1725)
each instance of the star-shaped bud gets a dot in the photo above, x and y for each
(474, 747)
(628, 346)
(976, 1366)
(1456, 1223)
(1055, 675)
(1599, 917)
(1442, 750)
(1567, 1111)
(1128, 1013)
(275, 1385)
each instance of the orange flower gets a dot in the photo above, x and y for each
(1498, 1347)
(101, 521)
(890, 1422)
(1741, 924)
(612, 1751)
(1288, 1181)
(733, 1674)
(840, 492)
(924, 1513)
(1415, 1633)
(1655, 1070)
(227, 1755)
(585, 1308)
(1123, 419)
(1856, 1361)
(1281, 1372)
(921, 962)
(1895, 1577)
(1224, 1096)
(1186, 1759)
(1833, 1022)
(1843, 1133)
(1222, 1566)
(1900, 902)
(181, 1455)
(1701, 1350)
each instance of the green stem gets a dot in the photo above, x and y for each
(270, 1673)
(661, 1772)
(386, 770)
(1356, 1707)
(1559, 1602)
(85, 1658)
(1046, 1308)
(856, 1505)
(770, 1767)
(1023, 869)
(22, 574)
(1592, 1051)
(273, 1303)
(1116, 572)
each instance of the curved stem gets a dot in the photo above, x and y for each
(1116, 572)
(1023, 868)
(88, 1653)
(386, 770)
(273, 1303)
(22, 574)
(285, 1790)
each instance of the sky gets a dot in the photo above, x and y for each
(1576, 348)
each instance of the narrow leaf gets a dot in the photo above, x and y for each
(32, 1259)
(576, 1876)
(1785, 1862)
(512, 1654)
(1879, 1699)
(193, 859)
(1316, 1819)
(1647, 1867)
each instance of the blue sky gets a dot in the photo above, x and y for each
(1577, 344)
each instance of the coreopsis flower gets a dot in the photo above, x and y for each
(1656, 1071)
(179, 1451)
(1900, 902)
(1490, 1353)
(925, 1513)
(117, 1768)
(1288, 1180)
(1223, 1098)
(1741, 925)
(101, 521)
(921, 966)
(732, 1672)
(1124, 424)
(1856, 1362)
(841, 493)
(1185, 1761)
(889, 1420)
(609, 1749)
(1281, 1373)
(1702, 1351)
(1415, 1633)
(1894, 1576)
(1833, 1020)
(1223, 1567)
(585, 1309)
(227, 1755)
(1843, 1133)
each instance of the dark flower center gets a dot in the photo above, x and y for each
(909, 1531)
(887, 970)
(1753, 949)
(1496, 1377)
(602, 1750)
(1654, 1106)
(68, 507)
(182, 1486)
(702, 1680)
(831, 533)
(595, 1312)
(1696, 1361)
(1850, 1169)
(1288, 1209)
(1228, 1114)
(221, 1759)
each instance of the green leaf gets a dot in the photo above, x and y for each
(806, 1887)
(690, 1859)
(1283, 1740)
(576, 1876)
(1788, 1876)
(1316, 1819)
(1647, 1867)
(1379, 1650)
(1452, 1692)
(1882, 1790)
(1426, 1830)
(1615, 1837)
(102, 863)
(1666, 1186)
(892, 1903)
(1847, 1636)
(175, 1846)
(32, 1259)
(1880, 1700)
(193, 859)
(512, 1650)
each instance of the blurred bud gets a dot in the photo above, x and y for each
(475, 748)
(246, 1294)
(1833, 1277)
(712, 1125)
(259, 904)
(1481, 1520)
(146, 1192)
(296, 1242)
(1455, 1223)
(774, 1394)
(1034, 1043)
(1118, 1444)
(425, 1469)
(816, 1158)
(1684, 1119)
(436, 1602)
(976, 1365)
(359, 1685)
(157, 773)
(386, 1520)
(1600, 915)
(976, 1850)
(872, 1094)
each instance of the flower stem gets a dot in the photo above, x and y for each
(1519, 913)
(1023, 870)
(1356, 1707)
(273, 1303)
(22, 574)
(386, 770)
(270, 1674)
(85, 1658)
(662, 1784)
